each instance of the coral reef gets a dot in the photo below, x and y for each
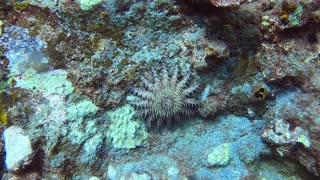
(287, 14)
(276, 64)
(165, 99)
(69, 68)
(171, 155)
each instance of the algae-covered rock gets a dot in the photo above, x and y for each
(91, 147)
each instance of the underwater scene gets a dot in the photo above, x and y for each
(160, 89)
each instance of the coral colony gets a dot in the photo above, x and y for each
(159, 89)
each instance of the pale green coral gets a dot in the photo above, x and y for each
(294, 18)
(79, 110)
(88, 4)
(304, 139)
(81, 127)
(220, 155)
(126, 131)
(265, 21)
(52, 82)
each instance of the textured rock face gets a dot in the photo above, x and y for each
(290, 58)
(18, 148)
(276, 63)
(212, 105)
(282, 133)
(288, 14)
(293, 129)
(296, 134)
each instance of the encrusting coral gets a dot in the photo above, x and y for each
(126, 131)
(166, 99)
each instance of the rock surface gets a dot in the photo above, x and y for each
(17, 147)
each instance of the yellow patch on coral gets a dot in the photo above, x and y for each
(3, 114)
(21, 5)
(1, 24)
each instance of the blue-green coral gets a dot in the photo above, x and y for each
(88, 4)
(294, 18)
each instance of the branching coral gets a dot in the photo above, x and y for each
(166, 99)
